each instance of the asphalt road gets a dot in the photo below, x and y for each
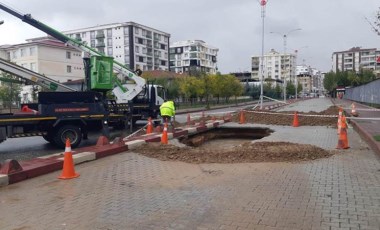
(27, 148)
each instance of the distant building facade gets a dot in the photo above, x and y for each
(277, 67)
(355, 59)
(310, 78)
(133, 44)
(48, 57)
(193, 55)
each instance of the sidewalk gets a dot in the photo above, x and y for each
(363, 124)
(130, 191)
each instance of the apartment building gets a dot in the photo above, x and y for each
(277, 67)
(130, 43)
(48, 57)
(355, 59)
(310, 78)
(193, 55)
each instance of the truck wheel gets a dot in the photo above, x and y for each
(68, 131)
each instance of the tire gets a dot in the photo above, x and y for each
(72, 132)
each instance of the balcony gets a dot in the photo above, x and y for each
(100, 44)
(100, 35)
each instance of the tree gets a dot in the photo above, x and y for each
(191, 87)
(290, 88)
(9, 90)
(375, 24)
(329, 82)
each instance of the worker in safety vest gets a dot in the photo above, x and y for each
(167, 111)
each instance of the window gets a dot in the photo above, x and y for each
(126, 60)
(137, 30)
(109, 41)
(126, 30)
(126, 49)
(84, 35)
(68, 54)
(32, 51)
(68, 69)
(22, 52)
(141, 59)
(139, 40)
(92, 34)
(14, 54)
(109, 33)
(144, 50)
(163, 62)
(162, 46)
(137, 49)
(33, 66)
(92, 43)
(109, 51)
(126, 41)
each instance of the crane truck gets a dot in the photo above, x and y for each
(72, 114)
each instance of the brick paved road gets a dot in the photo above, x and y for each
(129, 191)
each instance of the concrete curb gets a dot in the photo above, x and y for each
(11, 172)
(366, 136)
(375, 145)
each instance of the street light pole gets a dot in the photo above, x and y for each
(285, 36)
(263, 4)
(296, 80)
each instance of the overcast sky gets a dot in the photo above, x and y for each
(233, 26)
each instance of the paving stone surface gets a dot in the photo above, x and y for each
(130, 191)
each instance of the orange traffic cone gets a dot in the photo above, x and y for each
(343, 140)
(149, 128)
(242, 118)
(68, 171)
(295, 120)
(164, 137)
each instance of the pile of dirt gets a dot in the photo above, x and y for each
(279, 118)
(244, 153)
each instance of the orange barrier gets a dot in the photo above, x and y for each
(164, 137)
(343, 140)
(68, 171)
(295, 120)
(26, 109)
(242, 117)
(149, 128)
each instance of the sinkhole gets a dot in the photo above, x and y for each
(225, 138)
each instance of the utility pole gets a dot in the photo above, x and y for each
(263, 4)
(296, 78)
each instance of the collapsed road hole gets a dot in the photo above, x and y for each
(231, 145)
(225, 137)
